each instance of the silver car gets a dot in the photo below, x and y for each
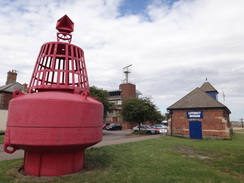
(146, 129)
(160, 128)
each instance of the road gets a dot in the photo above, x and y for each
(113, 135)
(109, 138)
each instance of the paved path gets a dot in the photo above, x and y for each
(238, 128)
(126, 140)
(6, 156)
(106, 141)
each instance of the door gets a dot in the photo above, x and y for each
(195, 128)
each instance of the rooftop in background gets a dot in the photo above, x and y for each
(11, 84)
(199, 98)
(207, 87)
(11, 87)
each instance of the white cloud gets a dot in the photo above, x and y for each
(172, 49)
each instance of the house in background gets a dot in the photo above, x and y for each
(6, 91)
(199, 115)
(6, 94)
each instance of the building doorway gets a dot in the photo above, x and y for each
(195, 128)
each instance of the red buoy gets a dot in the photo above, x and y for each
(57, 120)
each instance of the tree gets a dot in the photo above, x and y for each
(140, 110)
(167, 116)
(102, 96)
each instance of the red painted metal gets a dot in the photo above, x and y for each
(65, 26)
(57, 120)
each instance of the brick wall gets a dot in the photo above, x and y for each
(1, 100)
(128, 90)
(215, 123)
(11, 77)
(5, 98)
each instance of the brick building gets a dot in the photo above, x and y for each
(116, 97)
(199, 115)
(6, 91)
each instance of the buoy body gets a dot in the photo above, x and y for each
(57, 119)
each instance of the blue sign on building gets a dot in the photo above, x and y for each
(194, 114)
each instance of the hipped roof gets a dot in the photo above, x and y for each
(197, 98)
(207, 87)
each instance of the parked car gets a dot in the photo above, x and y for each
(146, 129)
(114, 126)
(105, 125)
(165, 122)
(160, 128)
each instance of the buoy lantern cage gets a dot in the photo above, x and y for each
(57, 120)
(60, 66)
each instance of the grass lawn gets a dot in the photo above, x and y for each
(239, 130)
(164, 159)
(1, 138)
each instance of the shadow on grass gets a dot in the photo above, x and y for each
(98, 158)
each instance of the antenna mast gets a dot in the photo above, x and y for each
(126, 71)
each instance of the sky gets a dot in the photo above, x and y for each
(173, 45)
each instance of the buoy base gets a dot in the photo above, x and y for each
(53, 164)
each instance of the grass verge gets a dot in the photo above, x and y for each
(165, 159)
(239, 130)
(1, 138)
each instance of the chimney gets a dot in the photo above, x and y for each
(11, 77)
(24, 88)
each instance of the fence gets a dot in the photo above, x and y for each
(3, 119)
